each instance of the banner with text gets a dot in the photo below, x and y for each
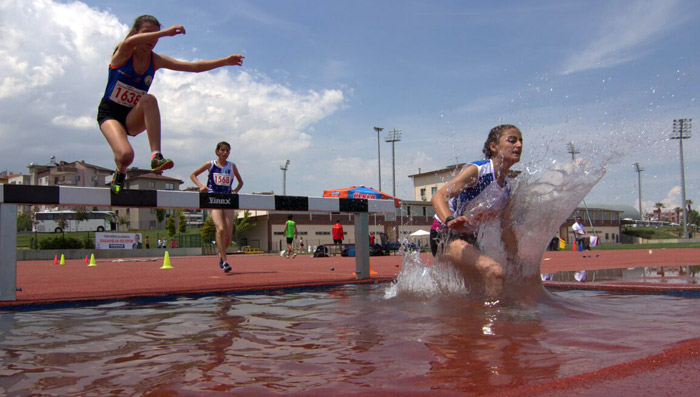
(112, 241)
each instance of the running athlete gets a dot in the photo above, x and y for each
(126, 107)
(221, 175)
(479, 192)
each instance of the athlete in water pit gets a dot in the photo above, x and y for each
(479, 192)
(126, 107)
(220, 179)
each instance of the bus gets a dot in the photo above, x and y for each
(53, 221)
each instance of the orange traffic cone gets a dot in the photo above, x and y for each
(55, 260)
(86, 259)
(573, 246)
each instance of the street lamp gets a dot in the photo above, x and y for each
(639, 170)
(393, 136)
(284, 177)
(681, 131)
(379, 157)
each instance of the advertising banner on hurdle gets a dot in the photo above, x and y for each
(116, 241)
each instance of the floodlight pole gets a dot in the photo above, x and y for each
(284, 169)
(393, 136)
(379, 157)
(639, 170)
(681, 131)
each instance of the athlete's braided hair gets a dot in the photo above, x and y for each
(494, 136)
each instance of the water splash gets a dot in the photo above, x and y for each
(542, 199)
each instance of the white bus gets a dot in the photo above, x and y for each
(51, 221)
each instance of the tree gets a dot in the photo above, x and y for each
(208, 230)
(170, 225)
(659, 206)
(81, 214)
(241, 224)
(62, 223)
(694, 217)
(24, 223)
(160, 216)
(181, 221)
(122, 220)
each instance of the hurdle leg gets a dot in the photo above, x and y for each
(361, 245)
(8, 252)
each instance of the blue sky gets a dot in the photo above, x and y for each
(609, 76)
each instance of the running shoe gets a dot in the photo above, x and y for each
(294, 256)
(227, 268)
(160, 164)
(221, 264)
(117, 183)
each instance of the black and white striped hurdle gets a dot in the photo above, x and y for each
(12, 195)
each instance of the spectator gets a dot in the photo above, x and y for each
(338, 232)
(583, 241)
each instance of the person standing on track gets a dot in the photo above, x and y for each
(126, 108)
(290, 232)
(221, 175)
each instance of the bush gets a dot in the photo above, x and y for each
(88, 243)
(208, 231)
(60, 242)
(642, 233)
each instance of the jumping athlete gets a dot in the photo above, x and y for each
(479, 192)
(126, 107)
(221, 175)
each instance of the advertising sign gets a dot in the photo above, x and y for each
(111, 241)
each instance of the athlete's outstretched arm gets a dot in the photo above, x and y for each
(166, 62)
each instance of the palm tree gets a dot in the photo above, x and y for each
(659, 206)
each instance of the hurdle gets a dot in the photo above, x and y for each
(13, 195)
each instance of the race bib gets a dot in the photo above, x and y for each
(126, 95)
(222, 179)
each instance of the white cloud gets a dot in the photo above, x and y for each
(56, 57)
(625, 34)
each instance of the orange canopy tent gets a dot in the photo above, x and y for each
(360, 192)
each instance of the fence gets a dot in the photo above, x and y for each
(12, 195)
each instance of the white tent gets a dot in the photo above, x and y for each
(419, 233)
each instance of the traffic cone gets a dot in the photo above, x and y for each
(63, 260)
(573, 246)
(86, 259)
(55, 259)
(92, 261)
(166, 261)
(371, 272)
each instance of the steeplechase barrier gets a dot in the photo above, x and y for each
(13, 195)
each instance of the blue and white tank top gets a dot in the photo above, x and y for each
(125, 85)
(220, 179)
(482, 201)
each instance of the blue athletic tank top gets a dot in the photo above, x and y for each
(482, 201)
(220, 179)
(125, 85)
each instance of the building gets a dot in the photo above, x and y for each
(606, 223)
(426, 184)
(76, 173)
(145, 218)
